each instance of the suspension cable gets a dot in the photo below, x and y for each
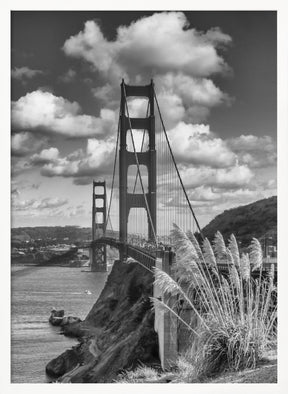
(175, 165)
(113, 178)
(138, 167)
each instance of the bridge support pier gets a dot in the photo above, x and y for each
(165, 323)
(98, 253)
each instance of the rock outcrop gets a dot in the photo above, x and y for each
(57, 318)
(117, 334)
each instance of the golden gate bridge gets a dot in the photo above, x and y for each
(147, 193)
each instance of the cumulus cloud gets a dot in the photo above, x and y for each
(96, 160)
(200, 91)
(174, 47)
(42, 111)
(25, 143)
(195, 144)
(224, 178)
(179, 58)
(25, 73)
(45, 156)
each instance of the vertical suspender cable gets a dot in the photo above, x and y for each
(113, 178)
(175, 165)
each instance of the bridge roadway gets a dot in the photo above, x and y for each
(148, 257)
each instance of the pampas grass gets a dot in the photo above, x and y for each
(236, 314)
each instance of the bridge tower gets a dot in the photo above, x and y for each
(127, 158)
(98, 253)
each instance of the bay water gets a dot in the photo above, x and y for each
(35, 291)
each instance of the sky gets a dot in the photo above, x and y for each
(215, 75)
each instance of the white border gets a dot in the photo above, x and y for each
(211, 5)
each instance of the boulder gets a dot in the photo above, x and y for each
(60, 365)
(56, 317)
(59, 313)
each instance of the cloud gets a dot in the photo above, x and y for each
(25, 73)
(180, 97)
(19, 166)
(203, 193)
(34, 204)
(179, 58)
(95, 161)
(68, 76)
(25, 143)
(192, 90)
(72, 212)
(45, 156)
(254, 151)
(195, 144)
(40, 111)
(225, 178)
(212, 194)
(174, 47)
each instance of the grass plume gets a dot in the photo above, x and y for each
(236, 314)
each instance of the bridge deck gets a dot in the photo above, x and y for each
(148, 257)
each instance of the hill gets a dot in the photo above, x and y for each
(68, 234)
(258, 220)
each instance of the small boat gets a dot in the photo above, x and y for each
(88, 292)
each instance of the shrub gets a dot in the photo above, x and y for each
(236, 314)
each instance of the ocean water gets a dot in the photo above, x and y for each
(35, 291)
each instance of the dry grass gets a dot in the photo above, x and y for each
(236, 315)
(141, 374)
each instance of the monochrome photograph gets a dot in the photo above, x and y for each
(144, 242)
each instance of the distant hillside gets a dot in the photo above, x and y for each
(258, 219)
(67, 233)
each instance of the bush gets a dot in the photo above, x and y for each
(236, 315)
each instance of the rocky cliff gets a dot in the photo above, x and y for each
(117, 334)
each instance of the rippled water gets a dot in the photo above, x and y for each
(35, 291)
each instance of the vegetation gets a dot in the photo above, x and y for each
(236, 315)
(47, 234)
(258, 219)
(139, 375)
